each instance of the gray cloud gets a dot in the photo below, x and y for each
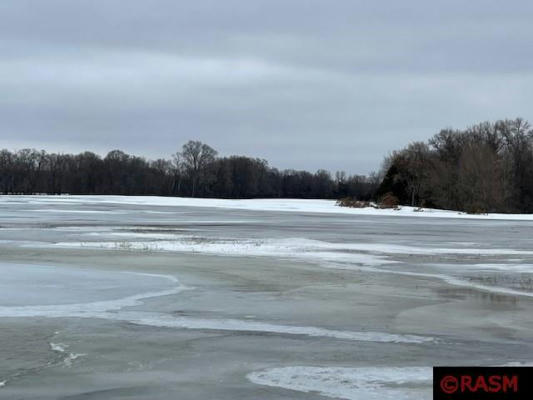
(304, 84)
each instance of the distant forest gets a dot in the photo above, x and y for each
(485, 168)
(195, 171)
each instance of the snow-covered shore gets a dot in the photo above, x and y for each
(286, 205)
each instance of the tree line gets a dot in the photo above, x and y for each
(485, 168)
(195, 171)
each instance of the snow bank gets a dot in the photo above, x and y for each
(301, 248)
(69, 358)
(287, 205)
(365, 383)
(287, 247)
(238, 325)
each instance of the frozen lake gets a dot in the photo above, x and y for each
(153, 298)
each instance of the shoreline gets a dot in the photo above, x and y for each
(315, 206)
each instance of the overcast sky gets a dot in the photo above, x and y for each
(305, 84)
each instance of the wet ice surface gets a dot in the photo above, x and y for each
(45, 285)
(73, 295)
(107, 300)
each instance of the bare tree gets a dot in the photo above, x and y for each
(177, 172)
(196, 156)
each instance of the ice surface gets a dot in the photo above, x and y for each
(118, 308)
(277, 309)
(59, 289)
(354, 256)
